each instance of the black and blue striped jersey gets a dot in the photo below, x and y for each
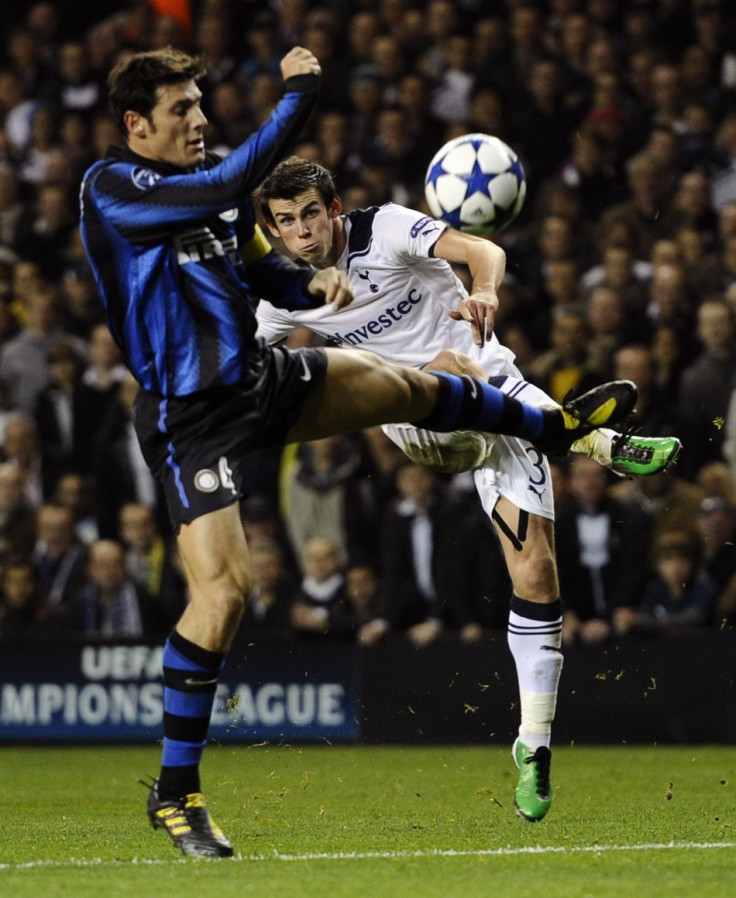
(179, 259)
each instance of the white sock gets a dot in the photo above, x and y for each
(596, 445)
(535, 640)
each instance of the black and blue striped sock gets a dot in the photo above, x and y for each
(464, 403)
(190, 684)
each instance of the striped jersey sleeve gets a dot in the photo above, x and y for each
(178, 256)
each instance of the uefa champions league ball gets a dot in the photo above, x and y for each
(475, 183)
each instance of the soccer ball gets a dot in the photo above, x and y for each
(475, 183)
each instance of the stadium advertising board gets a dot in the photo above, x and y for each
(270, 692)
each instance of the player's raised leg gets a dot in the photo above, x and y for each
(361, 390)
(626, 454)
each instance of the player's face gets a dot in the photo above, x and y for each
(308, 227)
(175, 131)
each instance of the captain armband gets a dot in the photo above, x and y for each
(255, 248)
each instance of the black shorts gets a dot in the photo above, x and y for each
(197, 446)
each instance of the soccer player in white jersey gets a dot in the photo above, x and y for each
(410, 308)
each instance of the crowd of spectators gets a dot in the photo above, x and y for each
(622, 263)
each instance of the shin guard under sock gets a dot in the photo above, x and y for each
(535, 640)
(190, 684)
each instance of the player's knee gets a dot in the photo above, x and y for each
(403, 389)
(451, 361)
(420, 388)
(228, 597)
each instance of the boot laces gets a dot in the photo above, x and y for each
(542, 757)
(622, 447)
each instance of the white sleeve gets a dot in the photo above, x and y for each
(411, 235)
(274, 324)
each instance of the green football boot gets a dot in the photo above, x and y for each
(639, 456)
(533, 793)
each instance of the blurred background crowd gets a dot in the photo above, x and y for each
(621, 264)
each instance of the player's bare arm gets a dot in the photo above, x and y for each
(487, 264)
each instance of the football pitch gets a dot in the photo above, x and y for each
(356, 822)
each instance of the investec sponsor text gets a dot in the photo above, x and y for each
(386, 319)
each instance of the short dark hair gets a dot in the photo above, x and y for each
(292, 177)
(134, 81)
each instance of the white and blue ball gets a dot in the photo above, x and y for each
(475, 183)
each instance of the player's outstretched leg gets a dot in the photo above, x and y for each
(187, 821)
(464, 403)
(627, 454)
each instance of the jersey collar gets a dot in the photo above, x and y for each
(125, 154)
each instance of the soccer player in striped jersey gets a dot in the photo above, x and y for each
(170, 233)
(409, 307)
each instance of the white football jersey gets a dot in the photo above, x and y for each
(401, 295)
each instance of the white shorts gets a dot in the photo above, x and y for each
(501, 465)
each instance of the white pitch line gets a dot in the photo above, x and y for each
(382, 855)
(492, 852)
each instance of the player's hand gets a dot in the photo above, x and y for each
(452, 361)
(480, 313)
(299, 61)
(333, 284)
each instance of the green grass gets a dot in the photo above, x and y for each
(357, 822)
